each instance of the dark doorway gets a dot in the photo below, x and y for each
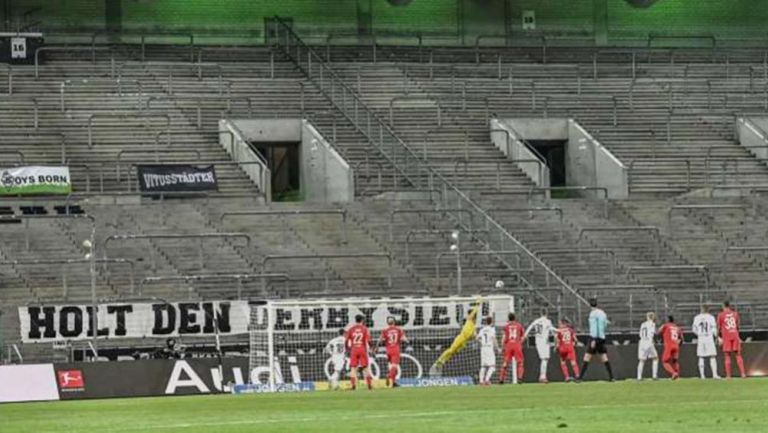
(553, 152)
(283, 161)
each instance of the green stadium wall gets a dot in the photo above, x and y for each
(448, 22)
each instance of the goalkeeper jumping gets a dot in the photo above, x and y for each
(466, 335)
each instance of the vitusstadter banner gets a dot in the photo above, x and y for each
(176, 178)
(35, 180)
(133, 320)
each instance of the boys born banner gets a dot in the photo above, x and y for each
(40, 324)
(35, 180)
(177, 178)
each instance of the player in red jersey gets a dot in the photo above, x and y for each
(672, 334)
(358, 342)
(728, 323)
(565, 340)
(513, 348)
(391, 337)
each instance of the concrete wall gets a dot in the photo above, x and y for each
(589, 163)
(540, 129)
(271, 130)
(752, 132)
(510, 145)
(326, 176)
(234, 141)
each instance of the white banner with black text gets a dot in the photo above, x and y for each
(47, 323)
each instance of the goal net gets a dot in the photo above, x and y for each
(290, 351)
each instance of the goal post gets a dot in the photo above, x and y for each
(289, 340)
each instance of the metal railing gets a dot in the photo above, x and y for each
(685, 161)
(611, 256)
(711, 207)
(411, 233)
(20, 133)
(143, 36)
(296, 213)
(16, 153)
(239, 278)
(199, 237)
(703, 269)
(414, 98)
(9, 70)
(66, 268)
(652, 229)
(445, 211)
(92, 49)
(326, 258)
(514, 253)
(743, 249)
(93, 116)
(170, 67)
(408, 164)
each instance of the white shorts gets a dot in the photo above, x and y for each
(487, 357)
(543, 350)
(338, 362)
(706, 347)
(646, 351)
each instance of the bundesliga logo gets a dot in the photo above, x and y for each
(71, 380)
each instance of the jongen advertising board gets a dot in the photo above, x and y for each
(177, 178)
(47, 323)
(35, 180)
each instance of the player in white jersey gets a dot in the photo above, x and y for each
(337, 349)
(646, 348)
(705, 328)
(489, 346)
(542, 329)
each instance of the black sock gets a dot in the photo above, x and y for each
(608, 367)
(584, 366)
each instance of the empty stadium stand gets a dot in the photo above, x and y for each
(414, 126)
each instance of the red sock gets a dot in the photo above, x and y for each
(368, 382)
(564, 367)
(353, 381)
(575, 366)
(670, 369)
(740, 363)
(392, 374)
(727, 362)
(677, 367)
(520, 371)
(503, 373)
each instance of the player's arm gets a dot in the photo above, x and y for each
(403, 337)
(718, 329)
(529, 329)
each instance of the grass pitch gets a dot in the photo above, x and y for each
(648, 407)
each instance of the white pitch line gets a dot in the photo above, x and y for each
(431, 414)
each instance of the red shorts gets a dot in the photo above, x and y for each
(670, 353)
(358, 358)
(393, 356)
(732, 344)
(513, 351)
(567, 354)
